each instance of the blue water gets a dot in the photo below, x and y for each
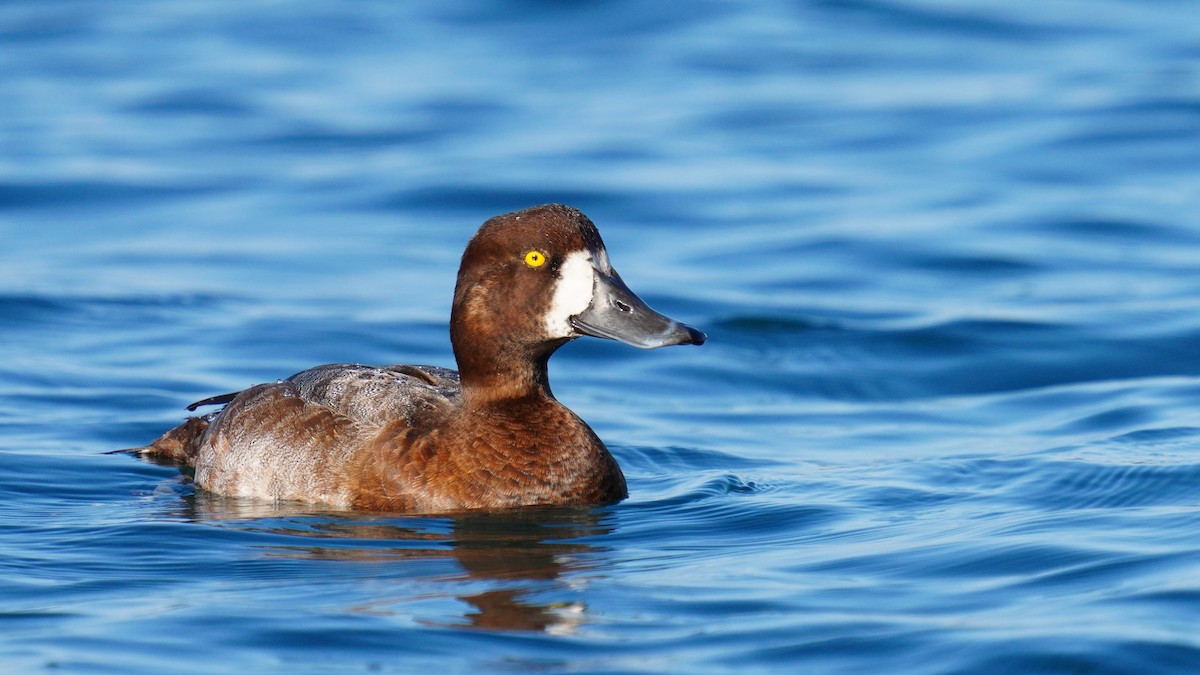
(947, 254)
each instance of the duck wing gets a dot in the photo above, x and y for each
(370, 395)
(301, 438)
(376, 395)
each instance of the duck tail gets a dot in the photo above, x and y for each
(178, 445)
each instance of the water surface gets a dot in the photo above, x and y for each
(948, 419)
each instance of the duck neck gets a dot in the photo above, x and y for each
(503, 376)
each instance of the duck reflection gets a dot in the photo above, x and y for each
(529, 552)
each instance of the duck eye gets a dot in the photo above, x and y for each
(535, 258)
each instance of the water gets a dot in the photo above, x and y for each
(948, 419)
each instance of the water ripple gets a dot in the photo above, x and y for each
(946, 420)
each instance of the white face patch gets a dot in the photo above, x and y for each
(572, 294)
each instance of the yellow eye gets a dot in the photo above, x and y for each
(535, 258)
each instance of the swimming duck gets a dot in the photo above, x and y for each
(424, 439)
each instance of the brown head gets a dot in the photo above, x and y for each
(529, 282)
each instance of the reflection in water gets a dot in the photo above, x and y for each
(505, 610)
(526, 551)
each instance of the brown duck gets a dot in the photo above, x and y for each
(427, 439)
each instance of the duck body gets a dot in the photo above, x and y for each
(424, 439)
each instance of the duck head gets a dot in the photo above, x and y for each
(535, 279)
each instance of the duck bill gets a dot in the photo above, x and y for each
(617, 313)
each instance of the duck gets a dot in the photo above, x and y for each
(427, 439)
